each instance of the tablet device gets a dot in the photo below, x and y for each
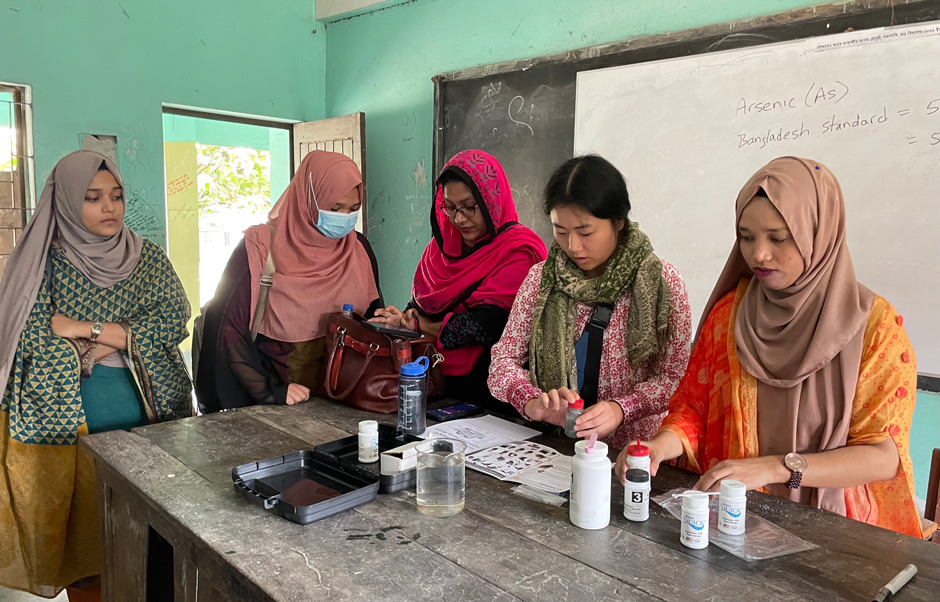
(391, 330)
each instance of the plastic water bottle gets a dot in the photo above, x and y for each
(589, 500)
(694, 532)
(575, 409)
(732, 505)
(413, 397)
(348, 310)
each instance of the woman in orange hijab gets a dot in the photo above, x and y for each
(802, 380)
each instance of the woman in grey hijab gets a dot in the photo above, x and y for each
(92, 319)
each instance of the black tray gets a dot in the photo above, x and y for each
(346, 453)
(268, 484)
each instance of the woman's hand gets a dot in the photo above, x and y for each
(753, 472)
(392, 316)
(602, 418)
(297, 394)
(68, 328)
(551, 406)
(664, 446)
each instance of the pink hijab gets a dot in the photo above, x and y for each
(449, 276)
(314, 275)
(803, 344)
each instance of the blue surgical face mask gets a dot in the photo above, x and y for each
(332, 224)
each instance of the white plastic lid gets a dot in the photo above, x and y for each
(368, 427)
(600, 449)
(732, 488)
(694, 500)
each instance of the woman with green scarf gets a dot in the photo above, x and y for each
(599, 260)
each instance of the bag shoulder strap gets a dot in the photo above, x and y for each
(267, 278)
(600, 319)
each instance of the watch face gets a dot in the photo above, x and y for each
(795, 462)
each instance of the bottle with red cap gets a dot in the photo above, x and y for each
(575, 409)
(638, 457)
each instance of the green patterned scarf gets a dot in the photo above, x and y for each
(633, 267)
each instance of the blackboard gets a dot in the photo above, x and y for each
(522, 112)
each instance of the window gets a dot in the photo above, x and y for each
(17, 187)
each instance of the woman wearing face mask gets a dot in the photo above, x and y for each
(802, 380)
(91, 322)
(321, 264)
(470, 271)
(599, 257)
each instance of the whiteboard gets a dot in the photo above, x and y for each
(687, 133)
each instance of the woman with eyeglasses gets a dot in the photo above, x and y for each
(320, 264)
(468, 277)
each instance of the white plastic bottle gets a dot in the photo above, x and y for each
(368, 441)
(694, 532)
(638, 456)
(589, 500)
(732, 505)
(636, 495)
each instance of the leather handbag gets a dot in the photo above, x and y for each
(363, 365)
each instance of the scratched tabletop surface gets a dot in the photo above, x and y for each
(501, 547)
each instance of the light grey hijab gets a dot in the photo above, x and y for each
(103, 260)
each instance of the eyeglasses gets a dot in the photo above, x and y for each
(451, 212)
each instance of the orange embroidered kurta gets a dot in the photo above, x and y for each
(714, 410)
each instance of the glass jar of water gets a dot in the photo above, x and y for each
(440, 477)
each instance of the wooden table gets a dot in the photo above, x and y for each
(175, 529)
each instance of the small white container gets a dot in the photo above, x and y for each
(368, 441)
(638, 456)
(589, 500)
(636, 495)
(694, 532)
(732, 505)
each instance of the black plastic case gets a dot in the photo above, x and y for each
(265, 483)
(346, 453)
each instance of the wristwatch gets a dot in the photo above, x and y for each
(96, 329)
(797, 464)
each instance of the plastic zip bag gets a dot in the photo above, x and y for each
(762, 539)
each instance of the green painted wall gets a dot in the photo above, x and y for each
(99, 66)
(382, 63)
(925, 436)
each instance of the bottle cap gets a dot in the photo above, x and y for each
(695, 500)
(635, 475)
(732, 488)
(600, 449)
(367, 427)
(577, 404)
(638, 449)
(347, 307)
(417, 368)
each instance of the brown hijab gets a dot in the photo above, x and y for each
(314, 275)
(103, 260)
(803, 344)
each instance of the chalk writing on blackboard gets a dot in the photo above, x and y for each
(521, 106)
(490, 99)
